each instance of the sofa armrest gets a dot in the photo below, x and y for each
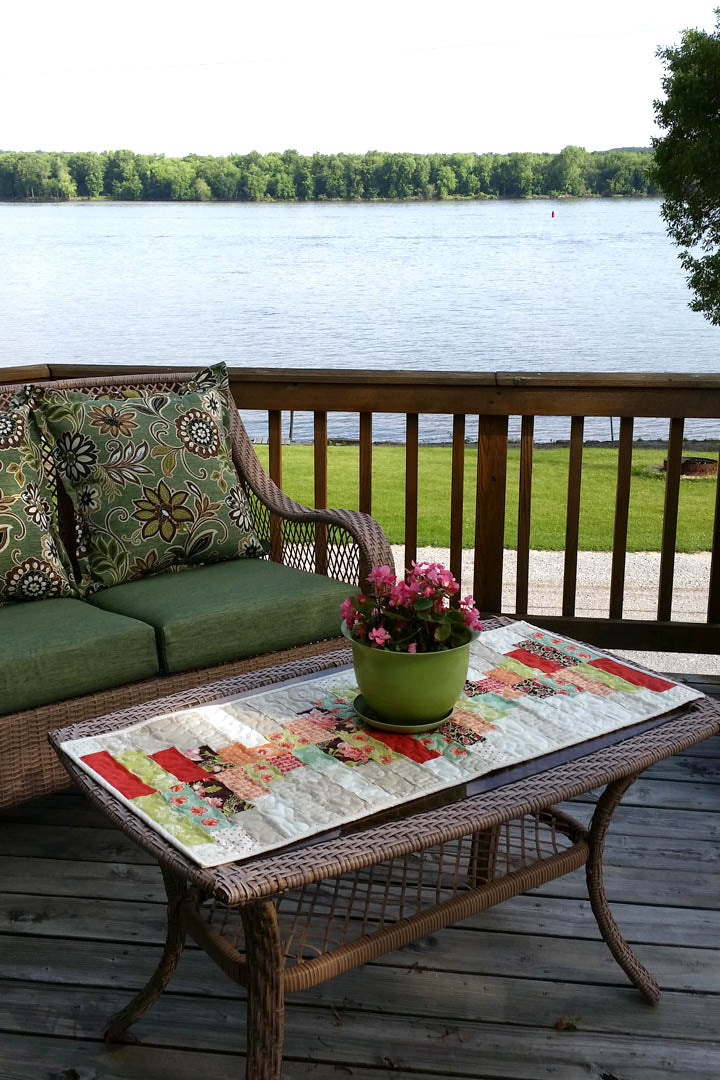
(343, 544)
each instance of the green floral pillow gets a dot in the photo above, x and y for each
(151, 478)
(33, 563)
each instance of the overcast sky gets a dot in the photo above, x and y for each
(233, 76)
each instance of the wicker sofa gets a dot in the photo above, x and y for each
(162, 634)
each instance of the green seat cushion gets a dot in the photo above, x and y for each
(58, 649)
(213, 614)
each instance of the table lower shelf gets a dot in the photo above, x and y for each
(335, 924)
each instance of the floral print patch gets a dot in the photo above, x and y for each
(150, 476)
(33, 562)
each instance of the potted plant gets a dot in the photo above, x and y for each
(411, 643)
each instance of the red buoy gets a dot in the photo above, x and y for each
(553, 213)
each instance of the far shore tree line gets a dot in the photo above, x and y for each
(290, 176)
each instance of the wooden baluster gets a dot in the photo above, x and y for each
(411, 487)
(490, 512)
(524, 505)
(572, 521)
(366, 420)
(713, 611)
(320, 484)
(622, 504)
(275, 468)
(457, 496)
(670, 516)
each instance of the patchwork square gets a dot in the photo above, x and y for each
(490, 685)
(456, 731)
(534, 688)
(309, 732)
(238, 754)
(240, 783)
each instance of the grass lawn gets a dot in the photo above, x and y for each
(549, 495)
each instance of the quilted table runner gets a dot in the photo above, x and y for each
(243, 776)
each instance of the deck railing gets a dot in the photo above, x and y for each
(491, 399)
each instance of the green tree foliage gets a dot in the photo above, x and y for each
(687, 161)
(121, 174)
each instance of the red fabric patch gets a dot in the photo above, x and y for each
(124, 781)
(637, 678)
(406, 745)
(172, 761)
(531, 660)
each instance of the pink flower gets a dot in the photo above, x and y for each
(412, 647)
(347, 612)
(379, 636)
(402, 595)
(214, 801)
(198, 811)
(209, 821)
(382, 577)
(471, 613)
(178, 800)
(176, 787)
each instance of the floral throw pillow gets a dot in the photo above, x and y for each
(33, 563)
(151, 478)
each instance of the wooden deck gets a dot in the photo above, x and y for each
(81, 919)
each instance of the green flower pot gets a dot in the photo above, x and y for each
(409, 688)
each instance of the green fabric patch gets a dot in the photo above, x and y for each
(604, 677)
(136, 761)
(65, 648)
(182, 828)
(33, 562)
(313, 755)
(518, 668)
(151, 478)
(215, 614)
(491, 706)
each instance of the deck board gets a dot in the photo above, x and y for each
(480, 999)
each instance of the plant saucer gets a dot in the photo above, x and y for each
(364, 711)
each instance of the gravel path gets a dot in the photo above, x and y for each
(593, 592)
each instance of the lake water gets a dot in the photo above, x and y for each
(457, 286)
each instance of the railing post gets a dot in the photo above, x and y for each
(490, 512)
(622, 505)
(411, 487)
(670, 516)
(365, 462)
(457, 496)
(320, 487)
(524, 508)
(572, 520)
(275, 468)
(713, 609)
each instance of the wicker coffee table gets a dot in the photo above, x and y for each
(292, 918)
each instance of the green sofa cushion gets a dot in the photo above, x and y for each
(213, 614)
(151, 477)
(58, 649)
(33, 563)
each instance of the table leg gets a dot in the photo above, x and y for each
(174, 944)
(266, 999)
(635, 971)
